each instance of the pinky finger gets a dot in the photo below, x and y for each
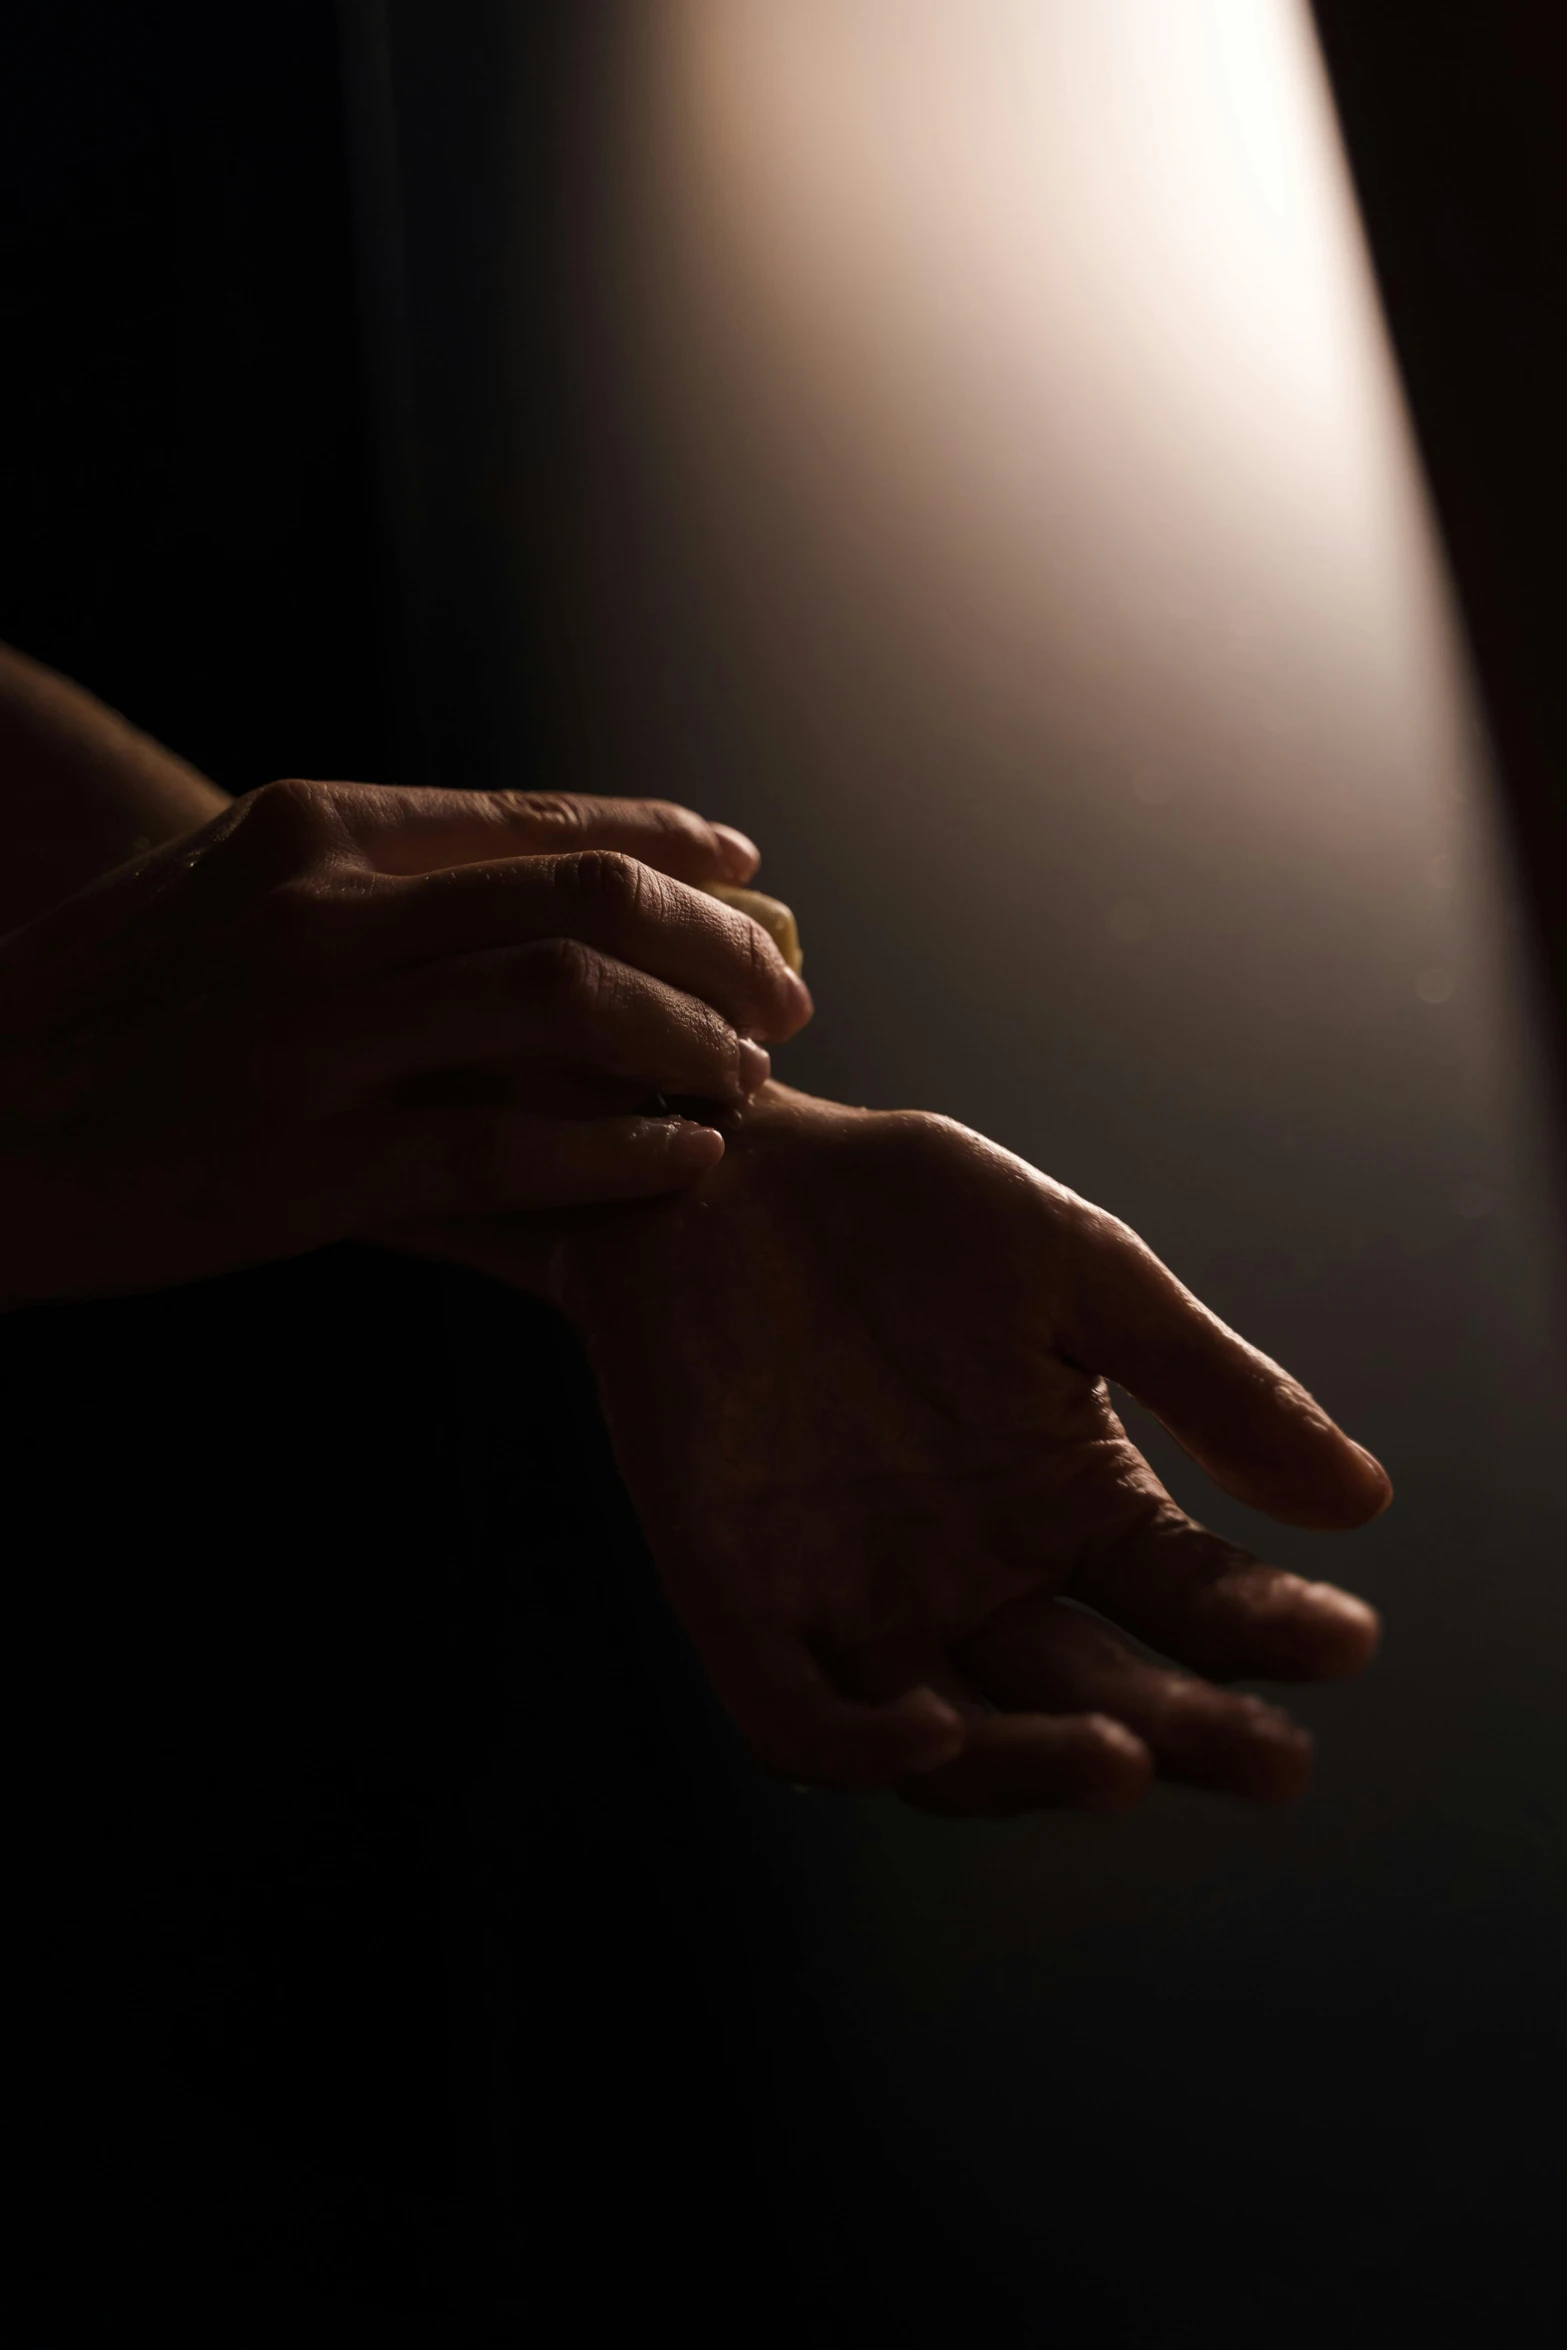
(490, 1161)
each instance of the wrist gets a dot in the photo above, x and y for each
(604, 1262)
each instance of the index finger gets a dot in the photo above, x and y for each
(408, 829)
(1243, 1419)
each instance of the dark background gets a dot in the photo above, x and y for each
(189, 494)
(410, 1994)
(1455, 122)
(394, 1960)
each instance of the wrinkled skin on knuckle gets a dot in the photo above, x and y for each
(551, 813)
(610, 888)
(289, 826)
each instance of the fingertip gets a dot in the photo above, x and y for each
(936, 1730)
(691, 1150)
(1345, 1632)
(1376, 1484)
(1279, 1767)
(652, 1156)
(1018, 1763)
(756, 1066)
(1343, 1487)
(1119, 1766)
(691, 1144)
(741, 856)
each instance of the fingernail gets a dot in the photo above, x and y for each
(701, 1146)
(1377, 1474)
(805, 1004)
(742, 856)
(755, 1066)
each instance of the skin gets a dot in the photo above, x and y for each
(856, 1382)
(332, 995)
(854, 1364)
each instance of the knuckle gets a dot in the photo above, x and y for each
(290, 823)
(553, 812)
(293, 801)
(610, 884)
(930, 1127)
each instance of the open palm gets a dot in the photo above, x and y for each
(855, 1380)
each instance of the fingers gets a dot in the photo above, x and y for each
(1037, 1762)
(1047, 1656)
(399, 1166)
(1081, 1762)
(414, 831)
(775, 917)
(1211, 1606)
(805, 1730)
(1247, 1422)
(556, 997)
(602, 900)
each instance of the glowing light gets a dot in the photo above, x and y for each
(1038, 334)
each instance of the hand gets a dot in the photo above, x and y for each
(855, 1380)
(336, 1004)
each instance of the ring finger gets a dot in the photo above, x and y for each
(555, 997)
(1044, 1654)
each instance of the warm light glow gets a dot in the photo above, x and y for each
(1010, 508)
(1043, 326)
(1000, 503)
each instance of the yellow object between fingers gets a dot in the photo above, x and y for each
(774, 916)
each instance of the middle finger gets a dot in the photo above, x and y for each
(604, 900)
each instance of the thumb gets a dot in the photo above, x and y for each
(1243, 1419)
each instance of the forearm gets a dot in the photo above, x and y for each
(81, 790)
